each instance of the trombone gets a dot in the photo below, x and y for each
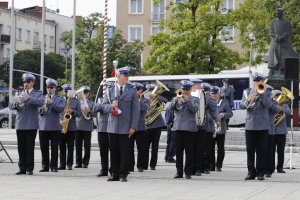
(260, 88)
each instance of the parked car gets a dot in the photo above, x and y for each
(4, 117)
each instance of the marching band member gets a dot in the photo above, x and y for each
(27, 123)
(270, 162)
(224, 113)
(49, 126)
(103, 141)
(140, 135)
(185, 109)
(280, 133)
(124, 110)
(84, 126)
(257, 104)
(227, 93)
(170, 148)
(73, 109)
(153, 131)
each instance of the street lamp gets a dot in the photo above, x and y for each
(251, 38)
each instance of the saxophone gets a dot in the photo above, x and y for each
(67, 117)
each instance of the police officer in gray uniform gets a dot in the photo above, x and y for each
(227, 93)
(153, 132)
(270, 162)
(68, 138)
(257, 128)
(49, 126)
(219, 139)
(185, 127)
(140, 135)
(84, 131)
(122, 104)
(27, 107)
(280, 133)
(103, 141)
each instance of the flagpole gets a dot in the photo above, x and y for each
(73, 44)
(42, 48)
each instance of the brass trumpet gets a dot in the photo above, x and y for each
(179, 93)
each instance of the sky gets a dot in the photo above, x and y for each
(83, 7)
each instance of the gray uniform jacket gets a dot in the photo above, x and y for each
(281, 128)
(227, 94)
(274, 109)
(223, 107)
(75, 106)
(83, 124)
(159, 121)
(257, 117)
(50, 120)
(185, 118)
(27, 116)
(212, 114)
(102, 117)
(128, 103)
(144, 105)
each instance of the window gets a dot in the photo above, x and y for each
(135, 33)
(45, 40)
(179, 1)
(227, 5)
(227, 34)
(1, 28)
(8, 52)
(136, 6)
(19, 34)
(51, 41)
(159, 11)
(28, 36)
(36, 37)
(155, 30)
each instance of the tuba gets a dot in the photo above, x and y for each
(83, 103)
(285, 95)
(156, 106)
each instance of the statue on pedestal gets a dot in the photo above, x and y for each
(280, 48)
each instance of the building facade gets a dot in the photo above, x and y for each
(139, 19)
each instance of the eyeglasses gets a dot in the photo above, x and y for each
(185, 88)
(51, 87)
(26, 81)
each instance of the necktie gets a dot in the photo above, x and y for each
(121, 90)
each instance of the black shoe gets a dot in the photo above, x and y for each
(280, 171)
(140, 170)
(61, 168)
(249, 177)
(85, 166)
(77, 166)
(206, 172)
(171, 160)
(198, 173)
(69, 167)
(20, 173)
(260, 177)
(44, 170)
(123, 179)
(102, 174)
(29, 173)
(218, 169)
(178, 176)
(152, 168)
(54, 169)
(188, 176)
(268, 175)
(113, 179)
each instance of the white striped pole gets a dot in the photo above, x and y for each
(104, 62)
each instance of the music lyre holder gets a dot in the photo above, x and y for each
(2, 148)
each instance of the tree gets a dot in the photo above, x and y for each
(29, 60)
(192, 43)
(254, 16)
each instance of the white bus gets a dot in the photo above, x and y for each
(238, 80)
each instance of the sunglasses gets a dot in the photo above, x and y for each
(26, 81)
(51, 87)
(185, 88)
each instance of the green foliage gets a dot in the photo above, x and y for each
(254, 16)
(30, 60)
(191, 43)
